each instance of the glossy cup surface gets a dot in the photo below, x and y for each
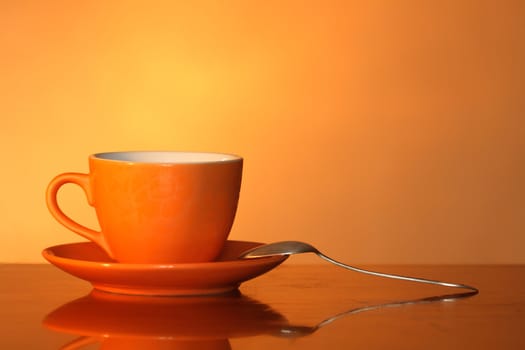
(157, 207)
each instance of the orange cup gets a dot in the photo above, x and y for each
(156, 207)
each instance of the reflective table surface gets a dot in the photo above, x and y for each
(291, 307)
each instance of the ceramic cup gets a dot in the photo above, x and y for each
(156, 207)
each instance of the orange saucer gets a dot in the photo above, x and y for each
(87, 261)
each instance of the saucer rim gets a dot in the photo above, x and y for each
(188, 279)
(48, 254)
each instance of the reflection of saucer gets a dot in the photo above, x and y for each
(101, 314)
(87, 261)
(136, 322)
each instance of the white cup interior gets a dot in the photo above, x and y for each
(167, 157)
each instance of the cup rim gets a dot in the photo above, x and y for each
(166, 157)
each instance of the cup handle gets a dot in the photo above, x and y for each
(81, 180)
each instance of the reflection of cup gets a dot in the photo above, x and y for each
(147, 344)
(131, 322)
(157, 207)
(135, 322)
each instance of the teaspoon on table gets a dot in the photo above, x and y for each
(295, 247)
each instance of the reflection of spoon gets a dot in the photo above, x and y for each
(295, 247)
(301, 331)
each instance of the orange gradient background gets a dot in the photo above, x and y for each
(379, 131)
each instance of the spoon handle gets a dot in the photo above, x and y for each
(399, 277)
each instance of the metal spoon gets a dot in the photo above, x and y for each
(295, 247)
